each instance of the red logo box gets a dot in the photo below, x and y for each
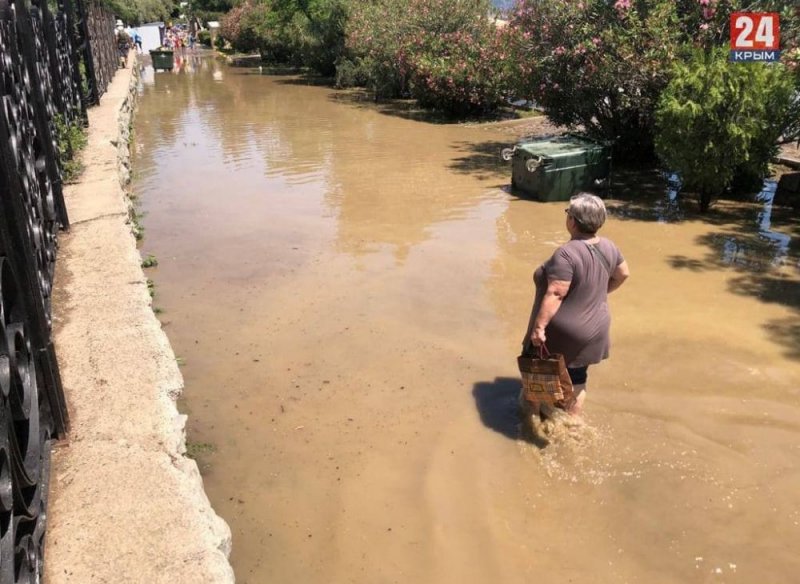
(755, 31)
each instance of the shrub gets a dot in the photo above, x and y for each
(460, 73)
(602, 64)
(715, 119)
(445, 53)
(139, 11)
(597, 64)
(70, 140)
(240, 27)
(371, 47)
(350, 73)
(231, 24)
(250, 27)
(313, 33)
(302, 33)
(204, 38)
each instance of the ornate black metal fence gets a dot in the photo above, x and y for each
(96, 27)
(64, 59)
(41, 60)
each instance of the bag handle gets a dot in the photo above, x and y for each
(543, 352)
(529, 348)
(601, 256)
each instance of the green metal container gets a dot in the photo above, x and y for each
(162, 59)
(555, 168)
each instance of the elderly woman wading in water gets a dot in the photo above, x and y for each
(570, 312)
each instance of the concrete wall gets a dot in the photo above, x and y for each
(126, 504)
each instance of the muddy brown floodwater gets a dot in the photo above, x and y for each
(348, 288)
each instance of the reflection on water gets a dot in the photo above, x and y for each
(348, 289)
(750, 241)
(668, 208)
(780, 241)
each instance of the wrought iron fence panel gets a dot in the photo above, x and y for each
(29, 144)
(63, 65)
(96, 27)
(26, 432)
(69, 16)
(40, 79)
(37, 58)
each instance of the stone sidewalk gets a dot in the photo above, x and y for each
(126, 505)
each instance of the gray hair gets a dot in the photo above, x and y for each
(588, 211)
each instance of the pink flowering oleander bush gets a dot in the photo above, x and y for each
(445, 53)
(461, 73)
(602, 64)
(231, 23)
(598, 65)
(240, 26)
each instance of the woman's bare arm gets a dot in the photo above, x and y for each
(556, 292)
(619, 276)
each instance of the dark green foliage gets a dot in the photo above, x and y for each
(306, 33)
(318, 38)
(204, 38)
(150, 261)
(196, 450)
(716, 121)
(70, 139)
(218, 6)
(135, 12)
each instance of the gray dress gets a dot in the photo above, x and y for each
(580, 328)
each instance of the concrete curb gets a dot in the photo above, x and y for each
(126, 504)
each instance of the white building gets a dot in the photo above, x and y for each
(151, 33)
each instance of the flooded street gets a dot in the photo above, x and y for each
(348, 289)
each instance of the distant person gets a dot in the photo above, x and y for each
(570, 312)
(137, 40)
(192, 41)
(124, 44)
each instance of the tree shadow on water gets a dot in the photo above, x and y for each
(774, 289)
(482, 160)
(303, 78)
(497, 405)
(761, 264)
(407, 109)
(749, 236)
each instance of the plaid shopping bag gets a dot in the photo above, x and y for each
(545, 378)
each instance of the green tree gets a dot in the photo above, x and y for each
(716, 118)
(206, 10)
(300, 32)
(140, 11)
(322, 34)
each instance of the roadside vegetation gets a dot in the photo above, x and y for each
(70, 140)
(140, 11)
(718, 125)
